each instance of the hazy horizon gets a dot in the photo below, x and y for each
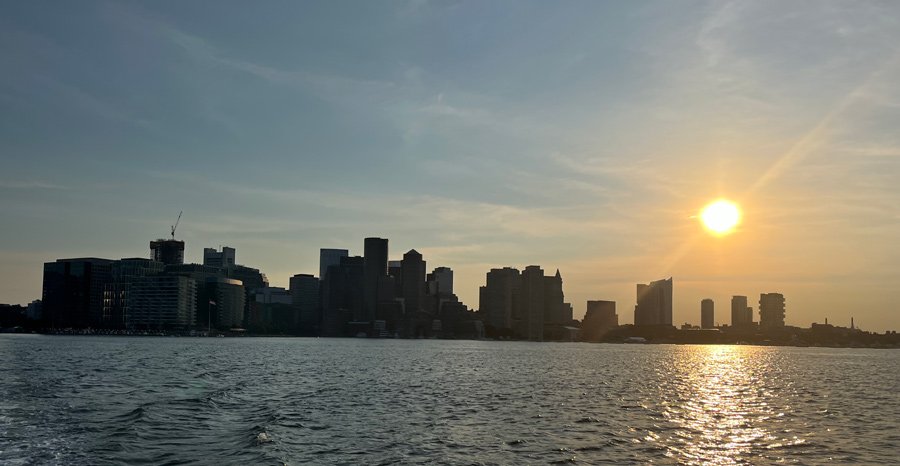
(579, 136)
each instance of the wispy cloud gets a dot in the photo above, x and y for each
(32, 185)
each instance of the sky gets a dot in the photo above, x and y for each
(583, 136)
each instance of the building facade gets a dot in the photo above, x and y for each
(599, 318)
(654, 303)
(741, 314)
(167, 251)
(329, 257)
(440, 281)
(72, 292)
(707, 313)
(496, 297)
(412, 281)
(221, 259)
(227, 300)
(771, 310)
(123, 273)
(305, 299)
(162, 302)
(375, 255)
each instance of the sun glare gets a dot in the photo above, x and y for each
(720, 217)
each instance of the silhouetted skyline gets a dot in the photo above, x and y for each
(582, 136)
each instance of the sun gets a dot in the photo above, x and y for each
(721, 217)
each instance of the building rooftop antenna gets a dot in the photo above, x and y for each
(176, 224)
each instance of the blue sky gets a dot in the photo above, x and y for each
(583, 136)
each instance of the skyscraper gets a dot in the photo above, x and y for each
(654, 303)
(531, 303)
(412, 281)
(343, 295)
(496, 297)
(375, 256)
(556, 310)
(440, 281)
(305, 300)
(771, 310)
(329, 257)
(740, 317)
(707, 314)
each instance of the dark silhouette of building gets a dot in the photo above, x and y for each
(201, 276)
(163, 302)
(167, 251)
(771, 310)
(305, 299)
(741, 314)
(557, 311)
(252, 280)
(272, 311)
(412, 281)
(707, 314)
(654, 303)
(221, 259)
(72, 292)
(395, 271)
(227, 299)
(344, 293)
(600, 318)
(375, 254)
(496, 298)
(530, 305)
(124, 273)
(440, 281)
(329, 257)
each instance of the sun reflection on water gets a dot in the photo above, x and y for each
(729, 406)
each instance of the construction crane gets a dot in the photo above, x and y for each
(176, 224)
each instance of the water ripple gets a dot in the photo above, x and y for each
(109, 400)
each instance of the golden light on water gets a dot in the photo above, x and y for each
(721, 217)
(734, 407)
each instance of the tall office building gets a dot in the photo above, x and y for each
(329, 257)
(600, 318)
(305, 299)
(412, 281)
(375, 255)
(707, 314)
(224, 258)
(72, 294)
(343, 293)
(771, 310)
(531, 303)
(167, 251)
(395, 270)
(440, 281)
(556, 311)
(654, 303)
(741, 314)
(496, 297)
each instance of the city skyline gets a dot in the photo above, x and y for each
(653, 301)
(583, 137)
